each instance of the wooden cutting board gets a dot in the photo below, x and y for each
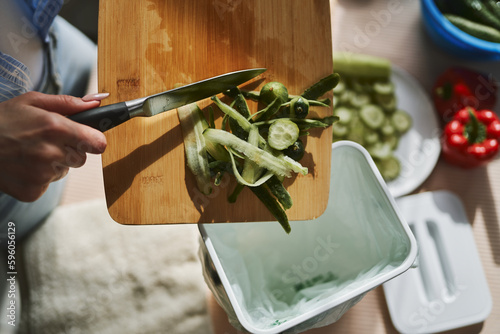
(149, 46)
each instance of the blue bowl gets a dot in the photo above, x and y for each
(454, 40)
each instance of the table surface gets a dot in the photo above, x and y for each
(399, 36)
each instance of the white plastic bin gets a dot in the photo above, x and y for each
(271, 282)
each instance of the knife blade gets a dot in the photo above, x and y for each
(107, 117)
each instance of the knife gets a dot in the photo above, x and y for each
(107, 117)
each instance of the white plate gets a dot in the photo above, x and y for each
(418, 149)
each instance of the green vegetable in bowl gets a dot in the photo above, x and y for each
(475, 29)
(478, 18)
(485, 12)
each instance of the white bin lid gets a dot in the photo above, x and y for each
(448, 288)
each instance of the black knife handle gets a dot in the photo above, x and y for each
(103, 118)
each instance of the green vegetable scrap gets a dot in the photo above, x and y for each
(299, 107)
(278, 322)
(259, 149)
(316, 280)
(195, 146)
(366, 105)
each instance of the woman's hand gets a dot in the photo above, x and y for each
(38, 144)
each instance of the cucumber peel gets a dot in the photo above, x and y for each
(278, 165)
(273, 206)
(195, 145)
(322, 87)
(248, 183)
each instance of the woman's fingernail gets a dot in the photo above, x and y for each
(95, 97)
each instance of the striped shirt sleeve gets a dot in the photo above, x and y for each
(14, 78)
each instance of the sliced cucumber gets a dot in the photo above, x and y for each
(361, 86)
(389, 168)
(282, 134)
(372, 115)
(339, 88)
(356, 130)
(387, 128)
(402, 121)
(335, 101)
(380, 150)
(392, 140)
(346, 97)
(371, 137)
(339, 130)
(367, 107)
(344, 114)
(388, 103)
(383, 88)
(360, 99)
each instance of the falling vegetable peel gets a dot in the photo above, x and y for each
(246, 149)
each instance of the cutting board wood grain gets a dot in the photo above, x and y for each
(146, 47)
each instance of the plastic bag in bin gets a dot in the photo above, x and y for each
(270, 282)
